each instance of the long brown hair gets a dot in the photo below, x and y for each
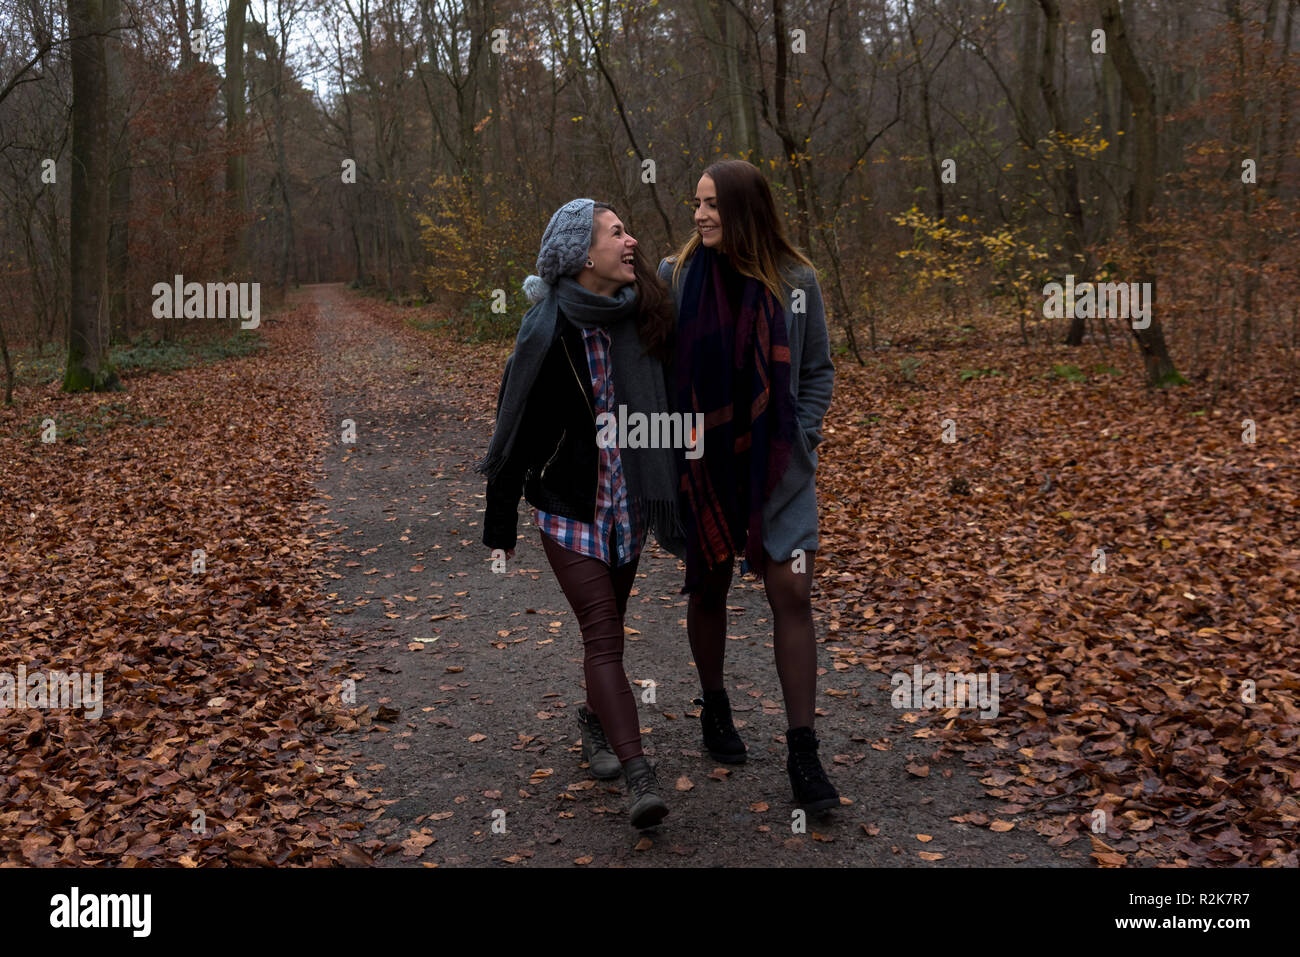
(654, 315)
(752, 235)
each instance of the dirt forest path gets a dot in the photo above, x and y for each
(471, 680)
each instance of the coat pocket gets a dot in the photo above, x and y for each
(799, 473)
(809, 447)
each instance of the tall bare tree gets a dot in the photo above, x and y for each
(236, 110)
(724, 30)
(119, 171)
(89, 367)
(1151, 340)
(1072, 205)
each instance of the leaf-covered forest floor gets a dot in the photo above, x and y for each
(1150, 681)
(215, 698)
(1159, 686)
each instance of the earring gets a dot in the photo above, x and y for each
(590, 264)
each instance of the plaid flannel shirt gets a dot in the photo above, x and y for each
(617, 527)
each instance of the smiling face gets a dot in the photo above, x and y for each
(707, 220)
(610, 255)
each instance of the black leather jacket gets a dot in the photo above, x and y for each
(555, 461)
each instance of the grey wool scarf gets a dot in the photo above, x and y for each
(638, 384)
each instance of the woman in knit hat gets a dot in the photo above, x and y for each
(600, 326)
(752, 355)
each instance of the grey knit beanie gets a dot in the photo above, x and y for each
(564, 247)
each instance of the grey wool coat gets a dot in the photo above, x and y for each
(790, 515)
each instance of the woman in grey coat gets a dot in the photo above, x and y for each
(752, 357)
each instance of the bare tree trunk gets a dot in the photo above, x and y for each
(830, 243)
(492, 92)
(351, 201)
(183, 28)
(739, 82)
(119, 183)
(288, 258)
(471, 156)
(927, 121)
(236, 109)
(782, 128)
(1074, 233)
(1108, 96)
(1283, 113)
(726, 39)
(89, 368)
(1028, 55)
(360, 279)
(9, 367)
(1151, 340)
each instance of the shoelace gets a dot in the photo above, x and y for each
(809, 767)
(719, 717)
(598, 740)
(644, 783)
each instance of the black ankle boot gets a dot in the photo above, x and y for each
(595, 746)
(720, 737)
(645, 807)
(813, 791)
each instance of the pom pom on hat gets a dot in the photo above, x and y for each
(536, 289)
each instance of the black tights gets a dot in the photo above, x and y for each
(598, 596)
(789, 593)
